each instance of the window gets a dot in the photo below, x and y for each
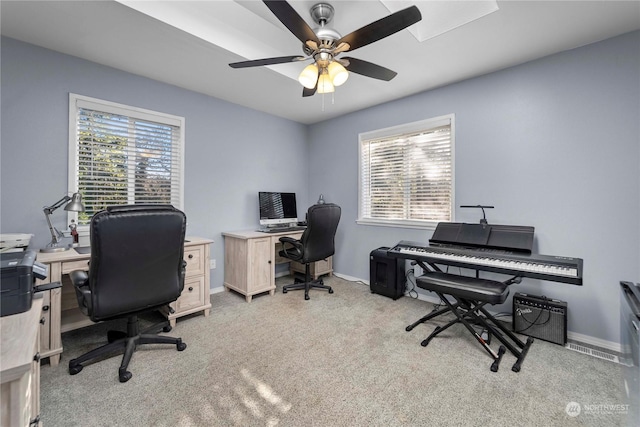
(123, 155)
(406, 174)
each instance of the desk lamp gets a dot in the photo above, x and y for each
(74, 205)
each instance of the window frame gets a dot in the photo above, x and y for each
(80, 101)
(399, 131)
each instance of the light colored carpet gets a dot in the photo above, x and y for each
(341, 359)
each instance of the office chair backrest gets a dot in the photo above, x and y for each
(136, 259)
(318, 240)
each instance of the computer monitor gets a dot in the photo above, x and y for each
(277, 208)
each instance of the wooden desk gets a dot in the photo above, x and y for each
(60, 309)
(20, 376)
(250, 258)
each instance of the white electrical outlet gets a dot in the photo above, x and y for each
(417, 271)
(212, 264)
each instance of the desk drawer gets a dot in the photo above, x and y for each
(192, 295)
(193, 257)
(195, 261)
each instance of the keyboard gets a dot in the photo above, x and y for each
(545, 267)
(282, 229)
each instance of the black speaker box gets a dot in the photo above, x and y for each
(386, 274)
(540, 317)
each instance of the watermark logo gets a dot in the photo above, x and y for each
(573, 409)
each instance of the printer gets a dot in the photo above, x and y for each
(18, 273)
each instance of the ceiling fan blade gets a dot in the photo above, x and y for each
(369, 69)
(290, 18)
(309, 92)
(382, 28)
(267, 61)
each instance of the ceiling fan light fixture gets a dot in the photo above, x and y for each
(337, 73)
(324, 84)
(323, 44)
(309, 76)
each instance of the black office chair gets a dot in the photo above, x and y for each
(470, 295)
(315, 244)
(136, 266)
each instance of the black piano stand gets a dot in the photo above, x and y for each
(428, 317)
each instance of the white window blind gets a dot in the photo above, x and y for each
(124, 155)
(406, 174)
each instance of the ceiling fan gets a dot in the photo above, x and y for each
(324, 44)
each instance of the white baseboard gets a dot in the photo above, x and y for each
(216, 290)
(351, 278)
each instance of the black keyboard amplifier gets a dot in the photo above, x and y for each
(540, 317)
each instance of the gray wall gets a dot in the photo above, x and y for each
(231, 152)
(553, 143)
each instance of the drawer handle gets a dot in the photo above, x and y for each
(190, 256)
(37, 357)
(45, 308)
(42, 321)
(190, 288)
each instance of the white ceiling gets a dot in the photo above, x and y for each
(190, 43)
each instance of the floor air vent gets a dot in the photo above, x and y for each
(592, 352)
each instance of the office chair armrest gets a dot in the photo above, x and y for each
(294, 250)
(287, 239)
(80, 280)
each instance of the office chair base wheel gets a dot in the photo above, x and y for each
(306, 297)
(181, 346)
(167, 328)
(124, 375)
(330, 290)
(284, 291)
(74, 369)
